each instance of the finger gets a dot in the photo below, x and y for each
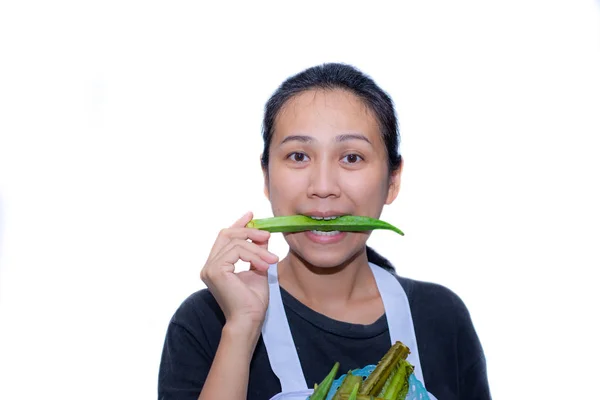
(260, 242)
(255, 261)
(243, 253)
(225, 261)
(246, 233)
(264, 244)
(243, 221)
(232, 247)
(264, 266)
(227, 235)
(222, 236)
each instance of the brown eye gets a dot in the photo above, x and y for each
(352, 158)
(297, 157)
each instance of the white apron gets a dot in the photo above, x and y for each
(282, 351)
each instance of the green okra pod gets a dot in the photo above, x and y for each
(350, 380)
(376, 381)
(409, 369)
(354, 392)
(346, 396)
(322, 388)
(299, 223)
(398, 385)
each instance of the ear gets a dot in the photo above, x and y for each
(394, 186)
(265, 179)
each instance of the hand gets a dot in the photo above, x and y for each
(243, 296)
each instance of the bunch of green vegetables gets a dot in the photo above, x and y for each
(388, 381)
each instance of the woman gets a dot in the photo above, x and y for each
(330, 149)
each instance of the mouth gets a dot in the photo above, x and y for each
(325, 216)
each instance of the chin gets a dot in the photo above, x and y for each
(327, 259)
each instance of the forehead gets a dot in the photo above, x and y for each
(325, 114)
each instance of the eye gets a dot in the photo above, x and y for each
(297, 157)
(352, 158)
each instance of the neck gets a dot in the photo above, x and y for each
(330, 287)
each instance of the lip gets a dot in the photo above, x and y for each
(325, 239)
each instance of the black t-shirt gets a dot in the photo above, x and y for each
(450, 352)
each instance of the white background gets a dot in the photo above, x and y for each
(130, 134)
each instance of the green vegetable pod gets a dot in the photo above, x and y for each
(322, 388)
(346, 396)
(354, 392)
(398, 385)
(299, 223)
(376, 381)
(348, 384)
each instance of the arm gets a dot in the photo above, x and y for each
(228, 376)
(202, 357)
(212, 337)
(473, 383)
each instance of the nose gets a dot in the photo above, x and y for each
(324, 181)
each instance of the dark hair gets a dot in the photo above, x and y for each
(337, 76)
(340, 76)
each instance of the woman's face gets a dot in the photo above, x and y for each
(327, 158)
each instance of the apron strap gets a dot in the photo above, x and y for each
(399, 318)
(278, 340)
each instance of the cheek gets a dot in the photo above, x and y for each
(284, 188)
(368, 191)
(369, 182)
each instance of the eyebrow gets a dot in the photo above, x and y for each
(340, 138)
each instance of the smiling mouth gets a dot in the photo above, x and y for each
(324, 233)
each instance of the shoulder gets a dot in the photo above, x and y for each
(448, 342)
(436, 307)
(432, 295)
(190, 346)
(199, 309)
(431, 302)
(437, 312)
(442, 318)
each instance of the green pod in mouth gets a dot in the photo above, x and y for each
(299, 223)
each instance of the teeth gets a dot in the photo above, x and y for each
(328, 218)
(321, 233)
(317, 217)
(325, 218)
